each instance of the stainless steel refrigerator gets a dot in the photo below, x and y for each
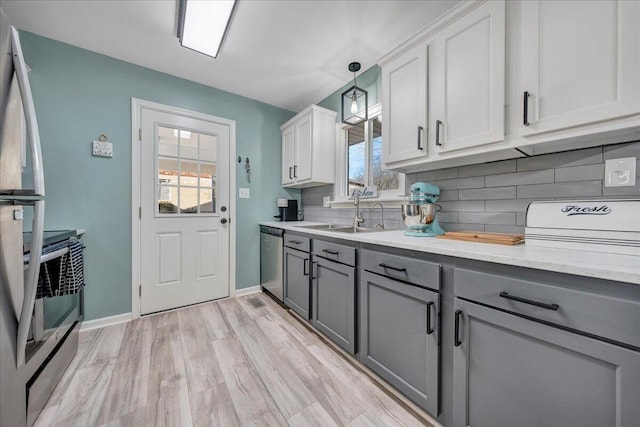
(38, 336)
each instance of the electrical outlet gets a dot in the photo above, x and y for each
(620, 172)
(102, 149)
(325, 201)
(244, 193)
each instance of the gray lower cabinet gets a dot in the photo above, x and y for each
(511, 371)
(399, 336)
(296, 281)
(334, 304)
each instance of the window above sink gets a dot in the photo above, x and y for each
(360, 162)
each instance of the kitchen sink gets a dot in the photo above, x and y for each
(316, 227)
(357, 230)
(340, 228)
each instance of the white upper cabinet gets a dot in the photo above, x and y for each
(404, 94)
(579, 63)
(304, 148)
(443, 92)
(467, 75)
(308, 148)
(288, 154)
(492, 80)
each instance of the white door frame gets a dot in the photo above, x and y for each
(136, 113)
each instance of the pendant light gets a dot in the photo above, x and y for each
(354, 100)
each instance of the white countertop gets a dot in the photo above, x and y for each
(622, 268)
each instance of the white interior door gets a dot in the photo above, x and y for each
(184, 228)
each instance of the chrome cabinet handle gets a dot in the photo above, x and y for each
(420, 130)
(553, 307)
(305, 267)
(290, 169)
(314, 270)
(525, 109)
(438, 123)
(295, 171)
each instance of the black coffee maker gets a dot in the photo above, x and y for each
(288, 210)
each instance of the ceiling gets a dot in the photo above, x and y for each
(283, 52)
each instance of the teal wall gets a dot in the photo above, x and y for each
(78, 96)
(370, 80)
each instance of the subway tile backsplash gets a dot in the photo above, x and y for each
(494, 196)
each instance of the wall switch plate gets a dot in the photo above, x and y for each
(102, 149)
(620, 172)
(244, 193)
(325, 201)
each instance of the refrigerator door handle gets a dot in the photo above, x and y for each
(29, 113)
(31, 282)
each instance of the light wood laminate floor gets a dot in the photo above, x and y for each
(237, 362)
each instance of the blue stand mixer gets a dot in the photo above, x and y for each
(419, 216)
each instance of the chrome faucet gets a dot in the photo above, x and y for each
(381, 225)
(357, 220)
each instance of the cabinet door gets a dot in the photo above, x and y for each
(334, 310)
(467, 86)
(399, 336)
(288, 152)
(296, 281)
(304, 149)
(404, 102)
(579, 62)
(510, 371)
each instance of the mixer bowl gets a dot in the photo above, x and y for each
(414, 215)
(428, 213)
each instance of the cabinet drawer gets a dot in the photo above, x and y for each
(297, 242)
(606, 316)
(419, 272)
(335, 252)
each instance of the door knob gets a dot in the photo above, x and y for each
(223, 221)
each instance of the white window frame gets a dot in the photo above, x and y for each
(390, 197)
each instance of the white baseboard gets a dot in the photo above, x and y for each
(248, 291)
(102, 322)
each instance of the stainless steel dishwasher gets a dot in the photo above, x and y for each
(271, 261)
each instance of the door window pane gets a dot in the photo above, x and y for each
(208, 148)
(167, 142)
(188, 145)
(188, 200)
(186, 168)
(189, 172)
(167, 199)
(207, 175)
(168, 171)
(207, 201)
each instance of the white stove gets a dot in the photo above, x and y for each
(611, 226)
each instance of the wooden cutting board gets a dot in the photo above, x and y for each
(482, 237)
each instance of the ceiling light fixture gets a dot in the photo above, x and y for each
(354, 100)
(202, 24)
